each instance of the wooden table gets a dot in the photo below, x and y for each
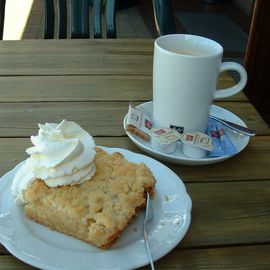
(91, 82)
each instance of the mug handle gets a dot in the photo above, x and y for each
(230, 91)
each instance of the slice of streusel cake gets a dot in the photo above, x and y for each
(97, 210)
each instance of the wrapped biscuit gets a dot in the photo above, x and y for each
(138, 122)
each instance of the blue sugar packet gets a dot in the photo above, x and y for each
(226, 144)
(212, 132)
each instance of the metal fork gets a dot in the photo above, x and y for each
(149, 215)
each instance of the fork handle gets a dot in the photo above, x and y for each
(235, 127)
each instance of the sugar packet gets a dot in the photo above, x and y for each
(226, 144)
(221, 142)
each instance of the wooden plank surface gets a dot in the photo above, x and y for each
(98, 118)
(233, 258)
(9, 262)
(69, 57)
(71, 88)
(247, 257)
(229, 213)
(85, 88)
(241, 167)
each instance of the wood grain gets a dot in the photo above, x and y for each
(69, 57)
(76, 88)
(9, 262)
(229, 213)
(98, 118)
(235, 258)
(86, 88)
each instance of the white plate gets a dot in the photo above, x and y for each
(239, 141)
(46, 249)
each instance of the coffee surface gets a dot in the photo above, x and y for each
(187, 52)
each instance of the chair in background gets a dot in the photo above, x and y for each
(163, 15)
(79, 18)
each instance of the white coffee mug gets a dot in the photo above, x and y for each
(185, 74)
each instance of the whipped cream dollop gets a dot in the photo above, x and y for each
(63, 154)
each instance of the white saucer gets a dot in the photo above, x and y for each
(239, 141)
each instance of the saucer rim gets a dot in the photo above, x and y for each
(185, 160)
